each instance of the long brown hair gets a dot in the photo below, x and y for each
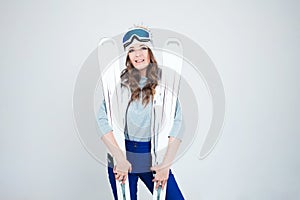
(130, 77)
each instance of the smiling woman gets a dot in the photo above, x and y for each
(140, 63)
(141, 79)
(139, 57)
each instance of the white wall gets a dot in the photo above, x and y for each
(254, 44)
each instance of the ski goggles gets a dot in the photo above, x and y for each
(138, 34)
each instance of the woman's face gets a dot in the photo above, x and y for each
(139, 57)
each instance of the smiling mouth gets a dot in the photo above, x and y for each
(139, 61)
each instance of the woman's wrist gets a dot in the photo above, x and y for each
(119, 156)
(166, 163)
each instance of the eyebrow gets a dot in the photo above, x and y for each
(141, 45)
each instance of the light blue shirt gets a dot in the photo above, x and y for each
(138, 119)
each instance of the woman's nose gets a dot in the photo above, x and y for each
(137, 52)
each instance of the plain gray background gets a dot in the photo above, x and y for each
(255, 46)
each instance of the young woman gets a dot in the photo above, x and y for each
(141, 78)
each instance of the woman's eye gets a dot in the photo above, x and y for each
(144, 48)
(130, 50)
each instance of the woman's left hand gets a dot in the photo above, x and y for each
(161, 175)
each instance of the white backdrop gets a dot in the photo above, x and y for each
(255, 46)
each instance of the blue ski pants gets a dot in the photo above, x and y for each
(138, 154)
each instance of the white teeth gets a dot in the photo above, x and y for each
(139, 61)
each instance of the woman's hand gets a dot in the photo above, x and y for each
(121, 170)
(122, 166)
(162, 170)
(161, 175)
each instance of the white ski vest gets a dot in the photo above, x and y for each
(162, 111)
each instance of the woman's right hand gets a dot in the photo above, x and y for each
(121, 169)
(122, 166)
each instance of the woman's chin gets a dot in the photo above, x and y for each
(141, 66)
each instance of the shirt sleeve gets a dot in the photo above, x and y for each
(102, 119)
(176, 129)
